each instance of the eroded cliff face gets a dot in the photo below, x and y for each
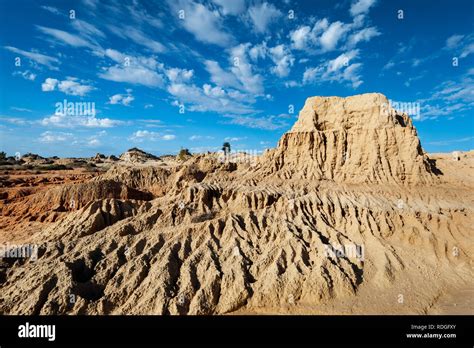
(355, 139)
(209, 237)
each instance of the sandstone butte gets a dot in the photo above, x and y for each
(275, 234)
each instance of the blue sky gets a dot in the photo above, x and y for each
(186, 73)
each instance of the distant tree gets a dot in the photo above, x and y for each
(183, 154)
(226, 148)
(3, 155)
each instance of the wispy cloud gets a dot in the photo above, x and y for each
(270, 122)
(138, 37)
(14, 120)
(145, 135)
(450, 98)
(451, 141)
(234, 7)
(206, 25)
(461, 45)
(51, 9)
(262, 15)
(132, 69)
(64, 37)
(20, 109)
(200, 137)
(361, 7)
(27, 75)
(338, 69)
(36, 57)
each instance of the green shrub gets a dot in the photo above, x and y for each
(184, 154)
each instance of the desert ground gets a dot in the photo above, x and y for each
(241, 234)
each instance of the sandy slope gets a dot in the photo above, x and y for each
(208, 236)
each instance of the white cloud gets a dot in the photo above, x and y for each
(144, 135)
(214, 92)
(243, 71)
(37, 57)
(50, 137)
(283, 59)
(236, 139)
(134, 70)
(361, 7)
(27, 75)
(91, 3)
(208, 98)
(179, 75)
(140, 15)
(280, 55)
(204, 24)
(325, 36)
(219, 76)
(305, 37)
(20, 109)
(363, 35)
(200, 137)
(342, 60)
(451, 98)
(70, 86)
(14, 120)
(124, 99)
(389, 65)
(65, 37)
(453, 41)
(292, 83)
(137, 36)
(93, 142)
(55, 137)
(66, 121)
(462, 45)
(271, 122)
(339, 69)
(242, 75)
(300, 36)
(310, 74)
(233, 7)
(457, 91)
(51, 9)
(258, 51)
(467, 50)
(451, 141)
(262, 15)
(117, 56)
(87, 30)
(332, 35)
(49, 85)
(352, 74)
